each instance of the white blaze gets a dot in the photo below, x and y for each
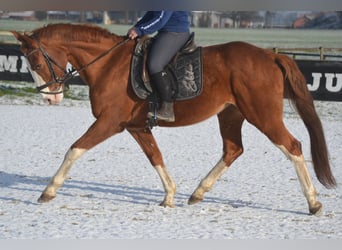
(38, 80)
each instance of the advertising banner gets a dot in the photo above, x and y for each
(324, 78)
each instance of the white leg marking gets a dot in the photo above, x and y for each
(169, 186)
(304, 177)
(208, 182)
(57, 181)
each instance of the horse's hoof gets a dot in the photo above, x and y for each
(317, 209)
(193, 200)
(45, 198)
(167, 204)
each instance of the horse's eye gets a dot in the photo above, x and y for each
(38, 67)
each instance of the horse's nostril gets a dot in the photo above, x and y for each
(48, 100)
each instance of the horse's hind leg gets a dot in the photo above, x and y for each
(309, 191)
(276, 131)
(148, 144)
(230, 121)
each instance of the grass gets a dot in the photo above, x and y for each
(9, 90)
(16, 90)
(266, 38)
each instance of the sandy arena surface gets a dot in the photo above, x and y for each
(112, 192)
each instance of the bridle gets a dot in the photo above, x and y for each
(67, 74)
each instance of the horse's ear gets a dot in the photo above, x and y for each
(16, 34)
(21, 37)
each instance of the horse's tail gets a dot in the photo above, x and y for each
(295, 89)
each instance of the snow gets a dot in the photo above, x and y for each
(113, 192)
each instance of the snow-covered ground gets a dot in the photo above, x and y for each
(113, 192)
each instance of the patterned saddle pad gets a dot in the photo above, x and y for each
(185, 69)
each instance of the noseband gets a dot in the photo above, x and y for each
(67, 75)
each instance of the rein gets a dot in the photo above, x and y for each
(71, 73)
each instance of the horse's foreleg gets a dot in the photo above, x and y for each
(230, 121)
(168, 184)
(148, 144)
(98, 132)
(58, 179)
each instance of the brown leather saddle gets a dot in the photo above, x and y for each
(185, 69)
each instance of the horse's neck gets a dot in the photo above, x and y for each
(82, 53)
(86, 57)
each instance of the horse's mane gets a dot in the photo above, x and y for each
(71, 32)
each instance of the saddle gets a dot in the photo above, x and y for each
(185, 70)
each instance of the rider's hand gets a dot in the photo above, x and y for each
(132, 33)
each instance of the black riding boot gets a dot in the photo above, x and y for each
(162, 84)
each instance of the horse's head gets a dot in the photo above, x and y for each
(46, 64)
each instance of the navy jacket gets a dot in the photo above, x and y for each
(169, 21)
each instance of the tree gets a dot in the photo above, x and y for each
(40, 15)
(204, 19)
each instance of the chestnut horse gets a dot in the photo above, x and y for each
(240, 82)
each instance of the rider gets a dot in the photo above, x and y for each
(173, 32)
